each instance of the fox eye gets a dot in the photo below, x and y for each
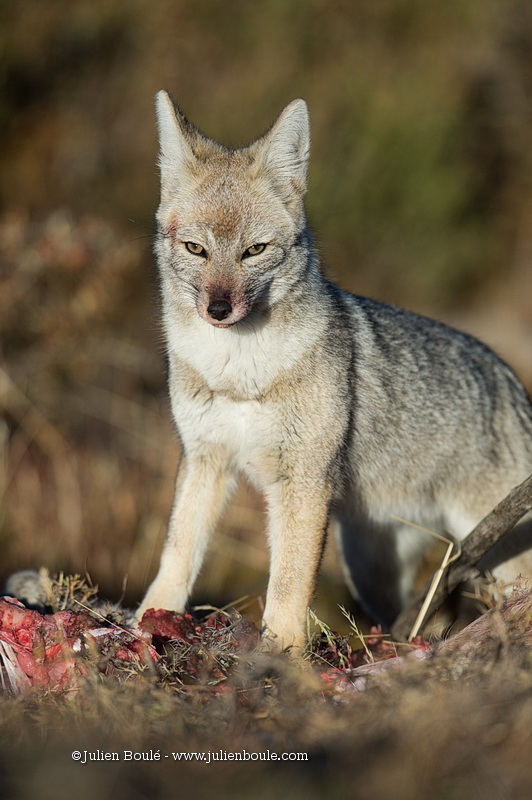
(254, 250)
(196, 249)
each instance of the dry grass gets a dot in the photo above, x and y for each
(457, 726)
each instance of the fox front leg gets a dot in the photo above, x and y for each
(299, 512)
(203, 486)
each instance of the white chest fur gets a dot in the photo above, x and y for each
(248, 430)
(243, 360)
(236, 367)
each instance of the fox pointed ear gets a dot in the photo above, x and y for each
(175, 138)
(285, 150)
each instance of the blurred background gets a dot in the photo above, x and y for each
(420, 194)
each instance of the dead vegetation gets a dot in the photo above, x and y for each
(453, 725)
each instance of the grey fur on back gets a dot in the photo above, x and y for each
(441, 432)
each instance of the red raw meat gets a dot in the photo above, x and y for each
(42, 650)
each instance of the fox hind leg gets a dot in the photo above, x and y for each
(380, 562)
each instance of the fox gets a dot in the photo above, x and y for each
(344, 412)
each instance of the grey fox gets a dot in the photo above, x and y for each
(341, 410)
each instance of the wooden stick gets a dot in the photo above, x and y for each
(479, 542)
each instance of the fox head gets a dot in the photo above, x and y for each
(230, 221)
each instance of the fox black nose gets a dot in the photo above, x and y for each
(219, 309)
